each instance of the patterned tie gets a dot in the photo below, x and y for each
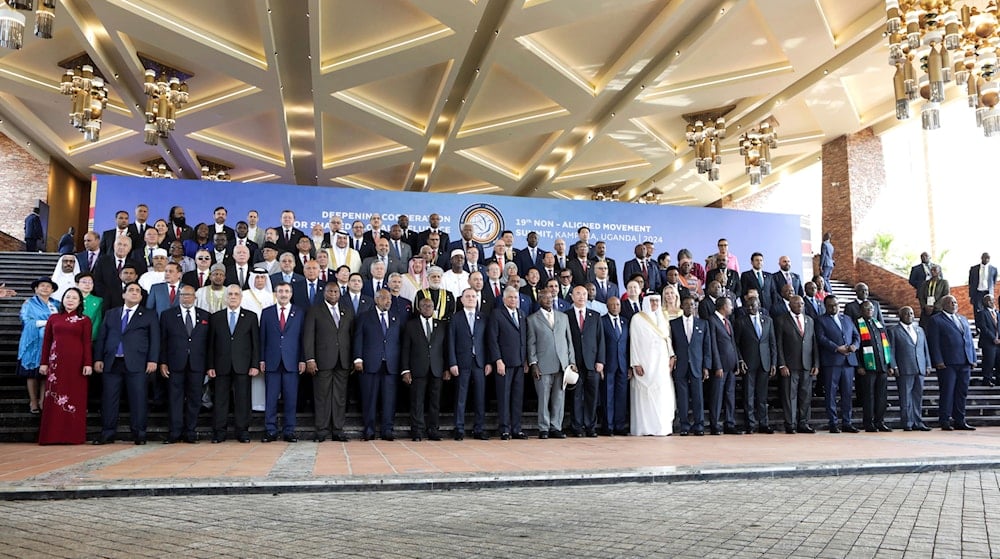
(90, 261)
(281, 319)
(188, 321)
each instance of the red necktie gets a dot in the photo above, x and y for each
(178, 235)
(642, 266)
(323, 276)
(173, 293)
(496, 290)
(729, 330)
(281, 319)
(120, 263)
(581, 320)
(201, 279)
(798, 319)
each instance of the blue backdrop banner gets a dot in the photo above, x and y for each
(621, 225)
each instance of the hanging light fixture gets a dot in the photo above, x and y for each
(704, 138)
(166, 92)
(929, 34)
(214, 171)
(755, 147)
(157, 169)
(12, 21)
(89, 96)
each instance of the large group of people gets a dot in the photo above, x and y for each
(250, 318)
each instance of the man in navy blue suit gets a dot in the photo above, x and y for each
(587, 332)
(692, 343)
(614, 389)
(507, 340)
(376, 356)
(281, 361)
(725, 367)
(163, 296)
(989, 340)
(784, 276)
(949, 339)
(184, 341)
(530, 257)
(468, 363)
(310, 291)
(642, 266)
(127, 349)
(838, 339)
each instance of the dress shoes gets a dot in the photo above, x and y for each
(459, 436)
(883, 428)
(416, 438)
(716, 431)
(684, 433)
(557, 435)
(341, 438)
(103, 441)
(732, 431)
(388, 437)
(870, 429)
(543, 434)
(319, 439)
(140, 441)
(244, 438)
(806, 429)
(834, 429)
(368, 437)
(191, 439)
(482, 436)
(291, 438)
(592, 434)
(698, 433)
(766, 429)
(946, 427)
(964, 427)
(622, 432)
(504, 436)
(269, 438)
(907, 428)
(789, 431)
(848, 428)
(434, 436)
(217, 439)
(921, 427)
(171, 440)
(521, 436)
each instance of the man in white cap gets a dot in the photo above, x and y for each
(456, 279)
(156, 273)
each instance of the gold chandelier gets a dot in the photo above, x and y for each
(89, 97)
(214, 171)
(930, 33)
(704, 138)
(165, 95)
(12, 22)
(755, 147)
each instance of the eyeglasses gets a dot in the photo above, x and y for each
(566, 277)
(203, 258)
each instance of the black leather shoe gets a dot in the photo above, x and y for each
(684, 433)
(319, 439)
(947, 427)
(482, 436)
(389, 437)
(543, 434)
(834, 429)
(192, 439)
(883, 428)
(922, 427)
(244, 439)
(170, 440)
(504, 436)
(140, 442)
(520, 435)
(964, 427)
(698, 433)
(291, 438)
(557, 435)
(217, 440)
(341, 438)
(103, 441)
(592, 434)
(716, 431)
(416, 438)
(732, 431)
(459, 436)
(621, 432)
(789, 431)
(369, 437)
(806, 429)
(870, 429)
(269, 438)
(766, 429)
(848, 428)
(907, 428)
(434, 436)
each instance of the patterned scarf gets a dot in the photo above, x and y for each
(868, 345)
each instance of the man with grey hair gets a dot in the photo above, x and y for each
(913, 362)
(238, 272)
(550, 351)
(444, 301)
(507, 342)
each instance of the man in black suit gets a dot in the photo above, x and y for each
(811, 306)
(785, 275)
(375, 232)
(921, 272)
(587, 333)
(725, 368)
(632, 301)
(177, 227)
(614, 389)
(853, 308)
(198, 277)
(989, 340)
(642, 266)
(87, 258)
(580, 265)
(757, 277)
(600, 255)
(242, 239)
(707, 306)
(107, 270)
(121, 229)
(875, 364)
(359, 242)
(407, 234)
(729, 279)
(220, 250)
(219, 225)
(468, 363)
(358, 301)
(423, 362)
(326, 347)
(126, 352)
(756, 342)
(423, 238)
(507, 341)
(548, 270)
(692, 343)
(308, 292)
(444, 301)
(376, 347)
(141, 225)
(238, 271)
(466, 241)
(529, 256)
(288, 234)
(233, 356)
(184, 343)
(798, 363)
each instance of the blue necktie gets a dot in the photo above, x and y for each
(756, 325)
(121, 347)
(232, 321)
(385, 325)
(312, 291)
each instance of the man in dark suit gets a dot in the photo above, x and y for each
(982, 280)
(444, 301)
(233, 357)
(757, 277)
(281, 361)
(725, 367)
(468, 363)
(600, 255)
(837, 339)
(177, 227)
(87, 258)
(238, 271)
(184, 343)
(785, 275)
(921, 272)
(219, 225)
(354, 297)
(602, 281)
(758, 348)
(913, 362)
(798, 363)
(466, 241)
(115, 296)
(121, 230)
(692, 344)
(309, 291)
(642, 266)
(376, 346)
(989, 340)
(326, 348)
(163, 296)
(632, 301)
(422, 359)
(288, 234)
(361, 243)
(875, 364)
(507, 343)
(931, 294)
(375, 231)
(382, 254)
(34, 237)
(198, 277)
(579, 265)
(811, 306)
(434, 221)
(587, 331)
(408, 235)
(949, 340)
(707, 307)
(242, 230)
(853, 308)
(728, 278)
(107, 270)
(286, 272)
(529, 256)
(126, 352)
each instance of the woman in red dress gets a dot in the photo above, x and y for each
(66, 362)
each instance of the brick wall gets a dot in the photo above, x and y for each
(23, 181)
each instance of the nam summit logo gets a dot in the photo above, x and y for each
(487, 223)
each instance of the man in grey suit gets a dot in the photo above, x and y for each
(913, 362)
(326, 348)
(798, 363)
(550, 351)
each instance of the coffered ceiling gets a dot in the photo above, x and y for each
(517, 97)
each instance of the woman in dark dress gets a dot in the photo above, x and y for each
(66, 363)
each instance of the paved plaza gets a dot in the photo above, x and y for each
(936, 514)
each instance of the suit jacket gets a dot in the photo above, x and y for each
(550, 347)
(420, 356)
(140, 340)
(83, 260)
(627, 311)
(467, 347)
(237, 352)
(941, 288)
(300, 293)
(531, 293)
(580, 275)
(829, 337)
(725, 351)
(410, 236)
(759, 353)
(229, 231)
(449, 302)
(748, 280)
(991, 279)
(610, 290)
(278, 277)
(826, 256)
(445, 241)
(733, 285)
(798, 352)
(525, 263)
(405, 251)
(180, 350)
(283, 245)
(159, 297)
(367, 246)
(281, 347)
(948, 344)
(506, 341)
(106, 279)
(918, 275)
(853, 310)
(186, 233)
(255, 254)
(364, 303)
(394, 265)
(778, 278)
(613, 269)
(632, 267)
(108, 237)
(588, 342)
(812, 311)
(373, 346)
(232, 278)
(191, 278)
(616, 351)
(909, 357)
(326, 342)
(694, 355)
(986, 328)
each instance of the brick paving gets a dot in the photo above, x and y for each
(939, 514)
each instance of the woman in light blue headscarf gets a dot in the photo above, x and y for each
(35, 312)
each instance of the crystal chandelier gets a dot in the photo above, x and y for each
(214, 171)
(755, 147)
(705, 141)
(929, 33)
(89, 96)
(164, 96)
(12, 22)
(157, 169)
